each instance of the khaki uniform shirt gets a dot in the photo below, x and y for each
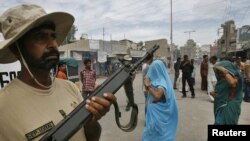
(28, 113)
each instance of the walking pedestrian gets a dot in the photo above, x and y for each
(187, 69)
(177, 65)
(227, 94)
(145, 67)
(162, 110)
(211, 78)
(88, 79)
(128, 86)
(204, 72)
(247, 80)
(193, 73)
(179, 84)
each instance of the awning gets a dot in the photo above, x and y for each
(69, 62)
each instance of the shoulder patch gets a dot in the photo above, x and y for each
(39, 131)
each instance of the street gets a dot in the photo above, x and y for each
(194, 114)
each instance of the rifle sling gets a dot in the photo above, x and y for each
(133, 118)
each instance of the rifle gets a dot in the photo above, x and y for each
(76, 119)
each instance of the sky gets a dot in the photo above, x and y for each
(143, 20)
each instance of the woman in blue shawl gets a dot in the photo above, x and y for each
(228, 93)
(162, 110)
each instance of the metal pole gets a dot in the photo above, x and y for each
(171, 34)
(103, 37)
(111, 44)
(189, 33)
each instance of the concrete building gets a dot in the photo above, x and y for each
(243, 41)
(129, 44)
(227, 43)
(198, 54)
(102, 53)
(163, 52)
(214, 50)
(234, 42)
(205, 49)
(176, 52)
(189, 49)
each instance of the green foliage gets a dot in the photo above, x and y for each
(71, 35)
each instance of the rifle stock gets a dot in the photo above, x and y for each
(80, 115)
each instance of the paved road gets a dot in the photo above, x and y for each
(194, 115)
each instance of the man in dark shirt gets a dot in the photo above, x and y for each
(177, 70)
(187, 69)
(204, 72)
(128, 86)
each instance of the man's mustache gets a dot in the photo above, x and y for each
(50, 53)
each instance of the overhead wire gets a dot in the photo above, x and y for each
(166, 13)
(124, 10)
(244, 15)
(124, 17)
(153, 9)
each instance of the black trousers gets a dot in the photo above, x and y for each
(247, 91)
(176, 76)
(187, 77)
(204, 83)
(129, 91)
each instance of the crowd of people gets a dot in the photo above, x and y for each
(225, 81)
(32, 36)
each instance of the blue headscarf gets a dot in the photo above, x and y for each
(162, 116)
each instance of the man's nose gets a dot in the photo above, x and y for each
(52, 42)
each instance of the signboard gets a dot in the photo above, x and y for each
(244, 34)
(8, 72)
(77, 55)
(102, 57)
(94, 44)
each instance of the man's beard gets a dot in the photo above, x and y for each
(43, 62)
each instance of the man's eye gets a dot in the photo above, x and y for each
(53, 35)
(42, 36)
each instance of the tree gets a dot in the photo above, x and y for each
(140, 45)
(71, 35)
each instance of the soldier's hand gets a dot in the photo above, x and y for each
(99, 106)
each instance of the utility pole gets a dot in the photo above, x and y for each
(111, 44)
(218, 31)
(103, 34)
(171, 35)
(189, 33)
